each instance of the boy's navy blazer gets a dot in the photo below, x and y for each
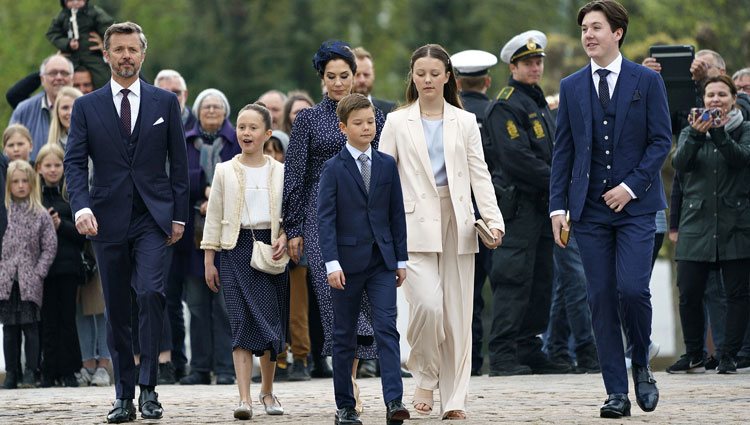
(643, 137)
(350, 220)
(157, 170)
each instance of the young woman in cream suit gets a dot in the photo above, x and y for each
(439, 153)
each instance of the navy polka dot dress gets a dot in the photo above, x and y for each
(257, 302)
(315, 139)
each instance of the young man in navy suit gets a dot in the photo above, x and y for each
(613, 135)
(363, 241)
(134, 208)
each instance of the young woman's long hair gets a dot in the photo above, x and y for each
(56, 128)
(450, 90)
(35, 196)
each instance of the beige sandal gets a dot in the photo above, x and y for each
(454, 415)
(424, 398)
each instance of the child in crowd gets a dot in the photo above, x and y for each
(244, 206)
(362, 228)
(17, 143)
(61, 353)
(29, 247)
(80, 41)
(274, 146)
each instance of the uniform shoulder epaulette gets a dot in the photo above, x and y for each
(505, 93)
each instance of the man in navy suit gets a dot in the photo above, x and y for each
(613, 134)
(363, 241)
(136, 206)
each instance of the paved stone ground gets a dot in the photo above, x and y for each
(551, 399)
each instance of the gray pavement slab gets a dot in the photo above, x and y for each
(536, 399)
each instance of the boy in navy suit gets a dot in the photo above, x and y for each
(613, 135)
(363, 241)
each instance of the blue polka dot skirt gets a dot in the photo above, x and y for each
(257, 302)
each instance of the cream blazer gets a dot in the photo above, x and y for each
(403, 138)
(227, 199)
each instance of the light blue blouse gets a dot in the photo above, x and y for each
(433, 134)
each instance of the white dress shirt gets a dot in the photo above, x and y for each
(134, 97)
(334, 266)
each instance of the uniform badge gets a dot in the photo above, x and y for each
(530, 44)
(538, 129)
(512, 129)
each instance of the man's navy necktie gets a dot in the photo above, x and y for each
(603, 87)
(125, 112)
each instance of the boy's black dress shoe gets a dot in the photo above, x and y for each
(123, 410)
(347, 416)
(616, 406)
(148, 405)
(646, 393)
(395, 413)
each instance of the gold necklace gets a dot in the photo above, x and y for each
(431, 114)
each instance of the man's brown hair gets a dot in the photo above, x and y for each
(616, 14)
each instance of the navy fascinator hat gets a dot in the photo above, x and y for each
(333, 49)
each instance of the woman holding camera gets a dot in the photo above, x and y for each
(713, 157)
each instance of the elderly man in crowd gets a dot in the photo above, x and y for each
(274, 101)
(56, 72)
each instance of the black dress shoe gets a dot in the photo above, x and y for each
(396, 413)
(166, 374)
(123, 410)
(509, 368)
(321, 369)
(298, 371)
(646, 393)
(347, 416)
(616, 406)
(224, 379)
(541, 365)
(148, 405)
(196, 378)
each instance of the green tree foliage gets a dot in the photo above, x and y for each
(244, 47)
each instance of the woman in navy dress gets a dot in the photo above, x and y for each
(316, 138)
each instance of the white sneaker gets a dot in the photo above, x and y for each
(84, 377)
(100, 378)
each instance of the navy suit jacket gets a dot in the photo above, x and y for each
(94, 132)
(345, 209)
(642, 139)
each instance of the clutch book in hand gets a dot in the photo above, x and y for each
(484, 232)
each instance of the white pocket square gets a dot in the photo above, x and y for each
(159, 121)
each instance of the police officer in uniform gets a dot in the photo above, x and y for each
(520, 130)
(471, 69)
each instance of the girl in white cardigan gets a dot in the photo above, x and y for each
(244, 206)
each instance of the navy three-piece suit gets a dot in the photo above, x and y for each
(595, 150)
(135, 196)
(364, 229)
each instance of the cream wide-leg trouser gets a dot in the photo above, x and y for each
(439, 288)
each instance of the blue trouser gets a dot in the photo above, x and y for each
(616, 251)
(570, 317)
(380, 285)
(137, 262)
(210, 333)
